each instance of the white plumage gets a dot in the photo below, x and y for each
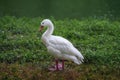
(58, 46)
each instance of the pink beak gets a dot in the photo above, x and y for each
(41, 28)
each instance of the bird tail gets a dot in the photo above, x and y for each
(79, 56)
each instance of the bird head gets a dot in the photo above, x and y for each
(45, 23)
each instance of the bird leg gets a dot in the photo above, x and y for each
(62, 64)
(59, 66)
(56, 65)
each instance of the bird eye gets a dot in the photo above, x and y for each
(43, 23)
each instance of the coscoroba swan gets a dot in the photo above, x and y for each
(58, 46)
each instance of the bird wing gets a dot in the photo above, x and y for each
(64, 46)
(61, 44)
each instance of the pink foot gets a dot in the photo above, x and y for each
(54, 68)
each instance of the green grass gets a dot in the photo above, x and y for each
(23, 56)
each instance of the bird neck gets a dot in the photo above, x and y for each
(49, 30)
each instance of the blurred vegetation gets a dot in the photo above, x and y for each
(23, 56)
(61, 9)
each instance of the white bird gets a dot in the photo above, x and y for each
(58, 46)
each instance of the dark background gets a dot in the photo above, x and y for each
(60, 8)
